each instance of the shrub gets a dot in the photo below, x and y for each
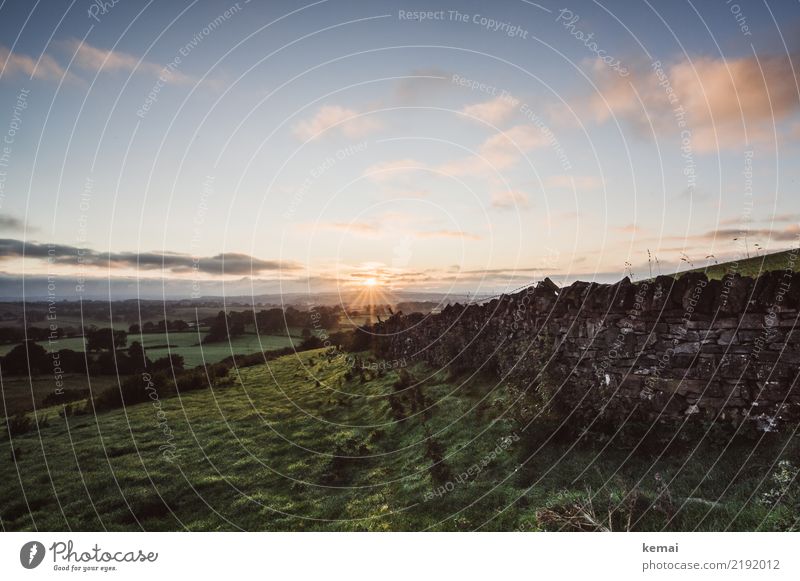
(66, 396)
(347, 447)
(18, 424)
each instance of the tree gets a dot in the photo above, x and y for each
(222, 327)
(270, 320)
(72, 361)
(110, 363)
(16, 361)
(138, 357)
(172, 362)
(105, 339)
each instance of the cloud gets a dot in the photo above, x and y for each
(393, 169)
(507, 199)
(449, 234)
(421, 84)
(357, 228)
(500, 151)
(783, 218)
(569, 182)
(776, 219)
(791, 232)
(14, 224)
(87, 57)
(727, 102)
(336, 118)
(494, 111)
(225, 263)
(96, 59)
(389, 224)
(45, 69)
(628, 228)
(761, 235)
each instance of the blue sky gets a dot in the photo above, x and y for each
(313, 148)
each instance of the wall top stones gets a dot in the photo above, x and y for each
(668, 348)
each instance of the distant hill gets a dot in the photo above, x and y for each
(753, 266)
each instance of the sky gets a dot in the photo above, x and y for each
(191, 148)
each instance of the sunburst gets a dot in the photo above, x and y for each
(371, 292)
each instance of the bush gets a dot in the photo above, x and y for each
(347, 448)
(172, 362)
(20, 423)
(66, 396)
(311, 343)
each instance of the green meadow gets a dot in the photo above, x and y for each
(194, 353)
(186, 344)
(304, 443)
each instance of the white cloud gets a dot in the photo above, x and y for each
(336, 118)
(494, 111)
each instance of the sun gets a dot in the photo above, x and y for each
(371, 282)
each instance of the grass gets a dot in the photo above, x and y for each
(74, 343)
(754, 266)
(296, 445)
(194, 355)
(20, 392)
(186, 344)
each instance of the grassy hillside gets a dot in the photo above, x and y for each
(296, 445)
(754, 266)
(20, 393)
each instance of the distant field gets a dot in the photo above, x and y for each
(297, 446)
(359, 320)
(194, 354)
(19, 393)
(68, 321)
(754, 266)
(186, 344)
(147, 339)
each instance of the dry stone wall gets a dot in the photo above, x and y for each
(661, 350)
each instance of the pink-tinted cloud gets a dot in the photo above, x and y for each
(628, 229)
(101, 60)
(494, 111)
(394, 169)
(45, 68)
(509, 199)
(727, 103)
(336, 118)
(449, 234)
(499, 152)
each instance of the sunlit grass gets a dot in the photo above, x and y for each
(257, 454)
